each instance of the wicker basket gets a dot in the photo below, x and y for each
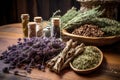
(96, 41)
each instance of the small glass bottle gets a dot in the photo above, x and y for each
(39, 28)
(31, 29)
(25, 20)
(47, 31)
(55, 28)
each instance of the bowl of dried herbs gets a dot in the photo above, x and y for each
(89, 28)
(93, 35)
(87, 62)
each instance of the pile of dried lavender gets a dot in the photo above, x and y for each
(31, 52)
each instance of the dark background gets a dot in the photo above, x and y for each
(11, 10)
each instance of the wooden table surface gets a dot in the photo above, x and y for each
(109, 70)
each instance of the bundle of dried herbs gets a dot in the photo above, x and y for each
(108, 26)
(111, 30)
(88, 30)
(88, 59)
(82, 16)
(73, 18)
(102, 22)
(70, 14)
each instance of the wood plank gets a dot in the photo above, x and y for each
(11, 35)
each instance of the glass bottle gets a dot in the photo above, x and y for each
(25, 20)
(39, 28)
(55, 28)
(47, 31)
(31, 29)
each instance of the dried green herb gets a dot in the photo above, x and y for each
(73, 18)
(82, 16)
(111, 30)
(70, 14)
(102, 22)
(88, 59)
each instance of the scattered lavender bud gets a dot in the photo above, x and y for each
(29, 70)
(6, 70)
(1, 57)
(19, 39)
(12, 67)
(43, 68)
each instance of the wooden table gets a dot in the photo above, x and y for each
(109, 70)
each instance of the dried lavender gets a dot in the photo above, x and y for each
(29, 52)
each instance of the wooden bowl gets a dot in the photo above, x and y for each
(96, 41)
(86, 71)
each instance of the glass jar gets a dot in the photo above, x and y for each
(55, 28)
(31, 29)
(25, 20)
(39, 28)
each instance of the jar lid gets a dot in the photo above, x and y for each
(38, 19)
(25, 16)
(56, 21)
(32, 25)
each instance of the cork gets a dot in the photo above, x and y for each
(32, 25)
(25, 16)
(31, 29)
(38, 19)
(56, 21)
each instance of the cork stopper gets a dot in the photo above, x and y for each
(38, 19)
(25, 16)
(32, 24)
(56, 21)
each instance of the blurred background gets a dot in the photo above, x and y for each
(11, 10)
